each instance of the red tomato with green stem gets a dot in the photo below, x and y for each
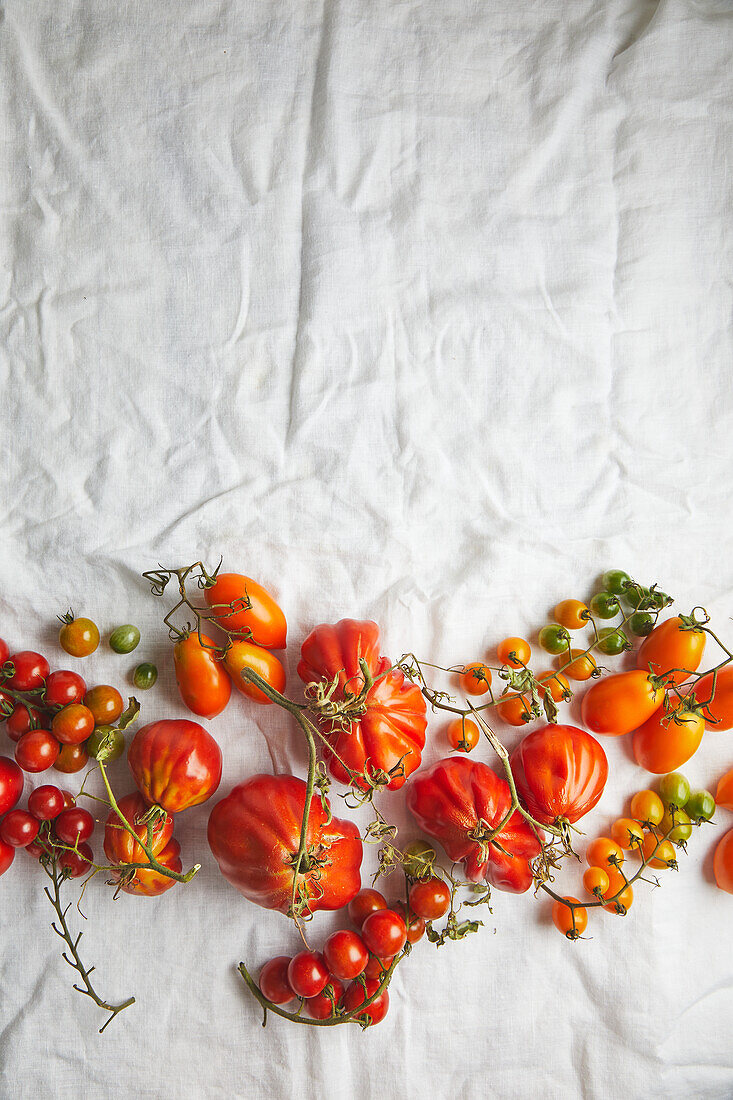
(246, 655)
(430, 899)
(71, 759)
(273, 981)
(323, 1006)
(365, 902)
(307, 974)
(621, 703)
(23, 719)
(30, 670)
(46, 802)
(175, 763)
(73, 724)
(242, 606)
(345, 954)
(415, 925)
(202, 681)
(560, 773)
(676, 644)
(77, 863)
(64, 687)
(37, 750)
(357, 994)
(384, 933)
(73, 825)
(19, 828)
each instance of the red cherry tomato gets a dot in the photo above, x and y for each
(77, 863)
(11, 784)
(31, 669)
(274, 982)
(415, 925)
(322, 1007)
(7, 855)
(384, 932)
(245, 655)
(105, 703)
(23, 719)
(366, 902)
(244, 607)
(7, 705)
(19, 828)
(345, 955)
(69, 799)
(671, 646)
(37, 750)
(621, 703)
(356, 995)
(475, 679)
(46, 802)
(73, 724)
(307, 974)
(72, 825)
(430, 900)
(376, 966)
(64, 687)
(202, 680)
(72, 758)
(175, 763)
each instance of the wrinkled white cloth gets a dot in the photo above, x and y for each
(413, 311)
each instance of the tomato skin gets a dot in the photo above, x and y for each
(724, 792)
(19, 828)
(555, 683)
(345, 955)
(463, 734)
(647, 806)
(273, 981)
(605, 853)
(37, 750)
(46, 802)
(723, 863)
(76, 863)
(71, 759)
(4, 651)
(451, 798)
(670, 646)
(73, 824)
(415, 925)
(254, 833)
(105, 703)
(11, 784)
(663, 747)
(31, 669)
(7, 855)
(202, 682)
(384, 933)
(628, 834)
(73, 724)
(596, 881)
(514, 710)
(322, 1006)
(394, 722)
(664, 852)
(475, 679)
(581, 667)
(175, 763)
(620, 703)
(430, 900)
(572, 923)
(19, 722)
(120, 848)
(64, 687)
(242, 655)
(718, 713)
(624, 900)
(572, 614)
(356, 995)
(79, 638)
(560, 772)
(376, 967)
(514, 652)
(264, 622)
(365, 902)
(307, 974)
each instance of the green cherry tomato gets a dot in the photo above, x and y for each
(554, 638)
(700, 806)
(682, 829)
(641, 624)
(605, 605)
(420, 857)
(615, 581)
(124, 639)
(674, 790)
(106, 743)
(145, 676)
(612, 641)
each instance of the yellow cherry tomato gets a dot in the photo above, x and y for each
(463, 734)
(571, 922)
(555, 683)
(658, 853)
(604, 852)
(475, 679)
(514, 652)
(582, 666)
(596, 881)
(617, 886)
(627, 833)
(647, 806)
(514, 710)
(572, 614)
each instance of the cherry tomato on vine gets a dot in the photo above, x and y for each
(514, 710)
(11, 784)
(475, 679)
(19, 828)
(145, 676)
(429, 900)
(345, 954)
(627, 833)
(646, 806)
(641, 624)
(245, 655)
(7, 855)
(723, 863)
(604, 852)
(415, 925)
(612, 641)
(596, 881)
(667, 741)
(78, 637)
(23, 719)
(674, 790)
(46, 802)
(384, 932)
(64, 687)
(202, 681)
(616, 886)
(615, 581)
(73, 724)
(622, 702)
(672, 645)
(376, 966)
(274, 982)
(37, 750)
(700, 806)
(75, 864)
(105, 743)
(105, 703)
(514, 652)
(571, 922)
(124, 639)
(680, 825)
(644, 598)
(244, 607)
(7, 705)
(554, 638)
(718, 711)
(31, 669)
(659, 853)
(69, 799)
(307, 974)
(322, 1007)
(724, 792)
(364, 904)
(604, 605)
(582, 665)
(72, 758)
(463, 734)
(419, 859)
(555, 683)
(74, 824)
(356, 995)
(572, 614)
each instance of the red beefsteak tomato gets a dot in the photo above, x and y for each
(121, 850)
(458, 799)
(559, 772)
(390, 726)
(175, 763)
(254, 834)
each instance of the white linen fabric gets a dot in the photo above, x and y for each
(414, 311)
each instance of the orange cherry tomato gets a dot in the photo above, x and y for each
(572, 614)
(571, 922)
(244, 607)
(627, 833)
(555, 683)
(73, 724)
(463, 734)
(514, 710)
(718, 713)
(202, 681)
(666, 742)
(624, 901)
(723, 863)
(648, 807)
(724, 793)
(475, 679)
(105, 703)
(620, 703)
(582, 666)
(514, 652)
(671, 646)
(72, 758)
(659, 854)
(596, 881)
(604, 852)
(242, 655)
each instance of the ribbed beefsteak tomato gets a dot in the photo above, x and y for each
(254, 834)
(388, 733)
(121, 850)
(559, 772)
(175, 763)
(458, 800)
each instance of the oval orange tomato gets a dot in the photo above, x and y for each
(723, 863)
(724, 793)
(620, 703)
(666, 742)
(718, 713)
(244, 607)
(671, 645)
(244, 655)
(204, 685)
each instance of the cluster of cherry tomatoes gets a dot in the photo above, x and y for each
(51, 815)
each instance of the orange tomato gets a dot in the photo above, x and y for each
(664, 855)
(571, 922)
(719, 711)
(204, 685)
(620, 703)
(616, 883)
(723, 863)
(514, 710)
(671, 646)
(665, 742)
(647, 806)
(627, 833)
(243, 655)
(475, 679)
(596, 881)
(555, 683)
(72, 758)
(604, 852)
(572, 614)
(72, 724)
(463, 734)
(514, 652)
(244, 607)
(582, 666)
(724, 793)
(105, 703)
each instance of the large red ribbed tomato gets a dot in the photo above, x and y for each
(457, 799)
(254, 834)
(175, 763)
(121, 850)
(559, 772)
(391, 726)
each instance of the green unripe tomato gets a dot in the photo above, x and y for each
(420, 857)
(674, 790)
(700, 806)
(145, 676)
(605, 605)
(615, 581)
(612, 641)
(641, 624)
(124, 639)
(106, 743)
(554, 638)
(682, 830)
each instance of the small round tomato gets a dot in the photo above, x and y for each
(30, 670)
(384, 933)
(724, 792)
(676, 826)
(419, 859)
(674, 648)
(514, 652)
(75, 864)
(71, 758)
(244, 655)
(514, 710)
(620, 895)
(627, 833)
(674, 790)
(658, 853)
(621, 703)
(307, 974)
(463, 734)
(376, 967)
(554, 638)
(73, 724)
(72, 825)
(641, 624)
(646, 806)
(11, 784)
(145, 676)
(105, 743)
(7, 855)
(105, 703)
(429, 900)
(604, 852)
(605, 605)
(124, 639)
(596, 881)
(78, 637)
(64, 687)
(572, 614)
(666, 741)
(323, 1006)
(475, 679)
(582, 665)
(364, 904)
(204, 685)
(612, 641)
(7, 705)
(243, 606)
(274, 982)
(615, 581)
(23, 719)
(718, 710)
(415, 925)
(46, 802)
(700, 806)
(19, 828)
(356, 995)
(723, 863)
(572, 921)
(345, 955)
(556, 684)
(37, 750)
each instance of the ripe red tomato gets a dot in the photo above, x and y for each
(274, 982)
(7, 855)
(46, 802)
(121, 849)
(254, 834)
(23, 719)
(384, 933)
(666, 742)
(72, 758)
(307, 974)
(431, 899)
(559, 772)
(11, 784)
(73, 724)
(723, 863)
(376, 967)
(64, 687)
(204, 685)
(105, 703)
(175, 763)
(456, 801)
(18, 828)
(389, 736)
(31, 669)
(246, 655)
(75, 864)
(672, 646)
(78, 637)
(345, 954)
(719, 711)
(323, 1006)
(74, 824)
(37, 750)
(621, 703)
(356, 995)
(415, 925)
(255, 615)
(366, 902)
